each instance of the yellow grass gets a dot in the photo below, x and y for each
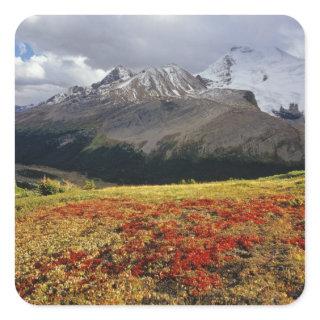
(291, 183)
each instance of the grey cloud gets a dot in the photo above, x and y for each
(193, 42)
(28, 94)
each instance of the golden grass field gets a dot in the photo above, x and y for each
(231, 242)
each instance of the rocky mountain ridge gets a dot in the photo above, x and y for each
(123, 85)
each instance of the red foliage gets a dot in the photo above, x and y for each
(91, 263)
(62, 261)
(247, 241)
(76, 256)
(137, 270)
(298, 241)
(184, 247)
(201, 282)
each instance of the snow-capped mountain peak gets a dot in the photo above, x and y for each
(113, 77)
(117, 74)
(75, 92)
(121, 85)
(273, 75)
(168, 80)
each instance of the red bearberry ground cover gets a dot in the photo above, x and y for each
(191, 251)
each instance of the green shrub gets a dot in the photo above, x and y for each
(66, 185)
(49, 186)
(89, 185)
(22, 193)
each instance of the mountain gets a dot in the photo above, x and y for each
(158, 125)
(121, 86)
(273, 75)
(23, 108)
(117, 74)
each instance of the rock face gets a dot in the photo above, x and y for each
(274, 76)
(161, 122)
(292, 113)
(118, 74)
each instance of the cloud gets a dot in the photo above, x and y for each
(28, 94)
(138, 41)
(293, 38)
(96, 43)
(30, 70)
(50, 73)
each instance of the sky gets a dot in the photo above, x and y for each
(53, 53)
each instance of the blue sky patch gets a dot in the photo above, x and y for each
(23, 50)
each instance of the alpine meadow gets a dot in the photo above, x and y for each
(145, 181)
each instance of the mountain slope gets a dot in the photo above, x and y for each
(274, 76)
(159, 125)
(23, 108)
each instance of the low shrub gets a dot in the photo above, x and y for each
(49, 186)
(89, 185)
